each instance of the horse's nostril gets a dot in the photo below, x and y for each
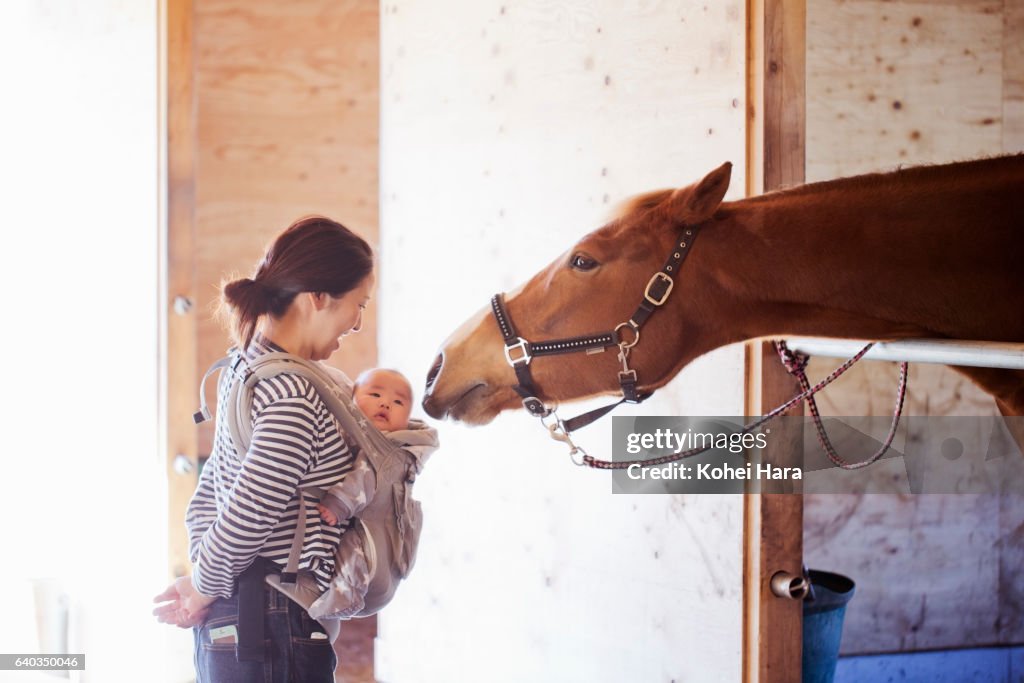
(435, 370)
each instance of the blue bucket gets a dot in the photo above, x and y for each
(823, 624)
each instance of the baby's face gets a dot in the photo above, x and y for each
(386, 398)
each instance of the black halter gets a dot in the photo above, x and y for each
(519, 352)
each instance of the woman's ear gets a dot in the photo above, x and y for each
(317, 300)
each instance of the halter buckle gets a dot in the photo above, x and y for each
(521, 345)
(658, 298)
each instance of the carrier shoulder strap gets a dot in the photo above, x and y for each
(238, 406)
(203, 414)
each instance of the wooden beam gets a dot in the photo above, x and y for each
(178, 352)
(784, 93)
(773, 523)
(1013, 76)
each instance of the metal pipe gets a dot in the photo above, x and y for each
(789, 586)
(945, 352)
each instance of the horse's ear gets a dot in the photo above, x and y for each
(697, 203)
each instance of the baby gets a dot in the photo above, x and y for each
(379, 548)
(384, 396)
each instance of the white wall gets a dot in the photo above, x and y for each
(508, 131)
(81, 497)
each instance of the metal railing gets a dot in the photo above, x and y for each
(946, 352)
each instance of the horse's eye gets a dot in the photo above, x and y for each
(583, 262)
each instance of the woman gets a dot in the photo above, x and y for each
(309, 290)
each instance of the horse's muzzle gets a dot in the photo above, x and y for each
(429, 404)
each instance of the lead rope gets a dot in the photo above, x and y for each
(795, 363)
(558, 432)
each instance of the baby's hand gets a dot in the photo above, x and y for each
(327, 515)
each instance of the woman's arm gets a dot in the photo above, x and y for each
(202, 510)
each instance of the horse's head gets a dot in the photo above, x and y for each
(592, 288)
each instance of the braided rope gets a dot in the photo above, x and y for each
(825, 442)
(807, 393)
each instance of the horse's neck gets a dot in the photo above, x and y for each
(888, 257)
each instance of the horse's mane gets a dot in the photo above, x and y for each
(640, 203)
(921, 172)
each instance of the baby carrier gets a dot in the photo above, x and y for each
(388, 527)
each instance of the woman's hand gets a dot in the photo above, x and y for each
(182, 605)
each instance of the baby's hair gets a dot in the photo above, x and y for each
(365, 374)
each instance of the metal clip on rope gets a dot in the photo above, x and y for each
(558, 432)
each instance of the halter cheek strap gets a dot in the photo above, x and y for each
(519, 353)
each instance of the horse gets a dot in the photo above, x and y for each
(927, 252)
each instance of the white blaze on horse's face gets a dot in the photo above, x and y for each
(460, 335)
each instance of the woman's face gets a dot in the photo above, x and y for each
(341, 316)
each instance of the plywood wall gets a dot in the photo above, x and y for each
(508, 131)
(287, 97)
(893, 83)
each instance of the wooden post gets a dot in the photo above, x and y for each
(178, 295)
(773, 523)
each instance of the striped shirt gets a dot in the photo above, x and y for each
(242, 509)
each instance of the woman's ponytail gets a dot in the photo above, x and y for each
(247, 300)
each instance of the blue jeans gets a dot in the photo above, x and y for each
(296, 649)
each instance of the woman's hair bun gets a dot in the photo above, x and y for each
(249, 296)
